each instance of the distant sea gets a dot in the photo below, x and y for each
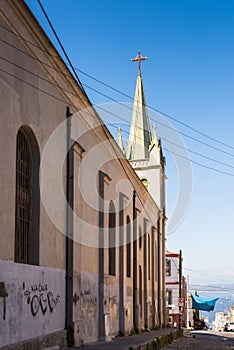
(223, 304)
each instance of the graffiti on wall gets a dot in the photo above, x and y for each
(4, 295)
(41, 299)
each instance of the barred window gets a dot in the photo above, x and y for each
(26, 199)
(140, 290)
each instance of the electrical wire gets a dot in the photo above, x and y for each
(177, 145)
(124, 94)
(41, 90)
(62, 47)
(197, 153)
(66, 90)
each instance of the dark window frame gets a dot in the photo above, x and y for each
(27, 198)
(168, 267)
(112, 239)
(128, 247)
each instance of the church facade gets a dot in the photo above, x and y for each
(82, 249)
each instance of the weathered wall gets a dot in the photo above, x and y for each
(34, 296)
(85, 307)
(32, 301)
(111, 306)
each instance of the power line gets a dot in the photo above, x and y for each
(66, 90)
(158, 111)
(177, 145)
(130, 97)
(44, 79)
(125, 121)
(104, 130)
(60, 44)
(168, 127)
(186, 158)
(199, 164)
(41, 90)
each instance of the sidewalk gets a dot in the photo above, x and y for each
(126, 342)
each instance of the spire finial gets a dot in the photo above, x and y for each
(120, 140)
(154, 140)
(138, 59)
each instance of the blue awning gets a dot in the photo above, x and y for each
(202, 303)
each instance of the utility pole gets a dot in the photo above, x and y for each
(180, 289)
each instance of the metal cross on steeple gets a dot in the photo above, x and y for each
(138, 59)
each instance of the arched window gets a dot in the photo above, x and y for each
(27, 202)
(140, 237)
(112, 239)
(145, 183)
(140, 290)
(155, 261)
(128, 248)
(149, 262)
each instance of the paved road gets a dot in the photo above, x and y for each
(204, 340)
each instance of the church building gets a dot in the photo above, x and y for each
(143, 149)
(82, 249)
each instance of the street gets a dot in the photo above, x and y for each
(205, 340)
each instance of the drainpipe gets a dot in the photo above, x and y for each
(101, 323)
(69, 234)
(159, 274)
(121, 265)
(135, 313)
(180, 289)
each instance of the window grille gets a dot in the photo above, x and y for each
(23, 197)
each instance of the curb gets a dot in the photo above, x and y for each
(160, 341)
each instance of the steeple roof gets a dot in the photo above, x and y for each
(140, 135)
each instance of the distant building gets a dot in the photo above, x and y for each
(231, 314)
(174, 304)
(221, 318)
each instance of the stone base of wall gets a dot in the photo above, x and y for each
(53, 341)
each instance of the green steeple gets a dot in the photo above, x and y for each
(140, 135)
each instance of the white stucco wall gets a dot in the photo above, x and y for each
(34, 301)
(151, 170)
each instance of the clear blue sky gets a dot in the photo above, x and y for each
(189, 75)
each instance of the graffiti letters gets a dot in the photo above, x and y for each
(4, 295)
(41, 300)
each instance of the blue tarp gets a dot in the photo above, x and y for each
(202, 303)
